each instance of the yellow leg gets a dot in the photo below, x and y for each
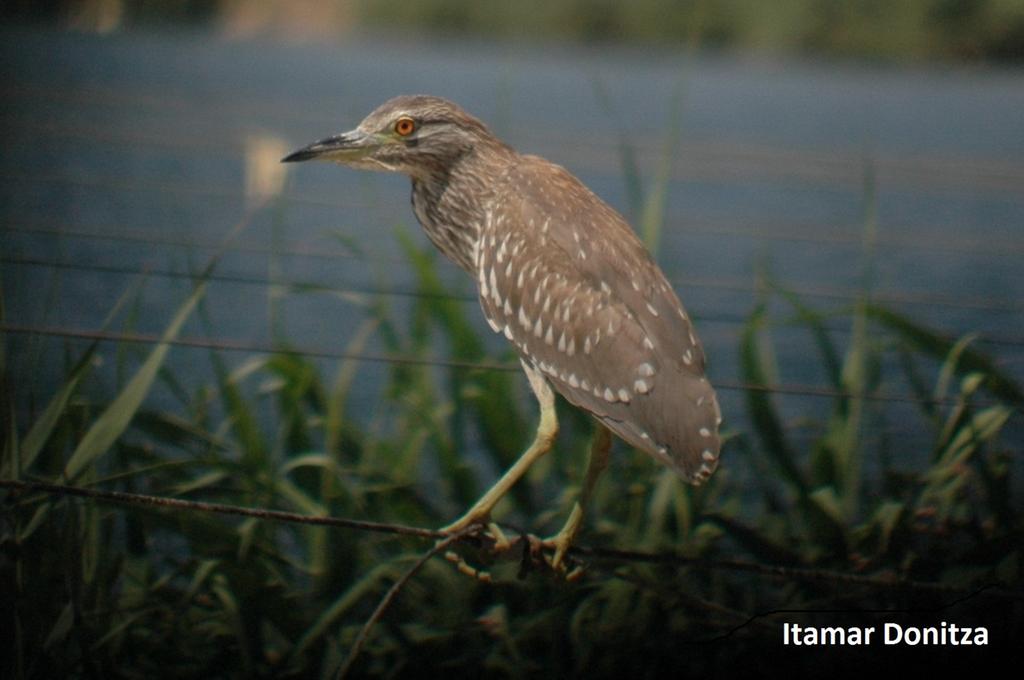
(546, 431)
(596, 464)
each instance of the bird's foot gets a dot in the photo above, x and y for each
(466, 568)
(488, 535)
(552, 554)
(486, 529)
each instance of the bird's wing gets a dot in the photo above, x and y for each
(566, 280)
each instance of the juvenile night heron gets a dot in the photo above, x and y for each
(562, 276)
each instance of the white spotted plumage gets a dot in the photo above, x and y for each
(640, 368)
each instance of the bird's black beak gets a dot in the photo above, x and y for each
(343, 148)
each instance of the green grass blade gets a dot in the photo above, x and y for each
(302, 501)
(919, 385)
(982, 427)
(61, 628)
(815, 323)
(236, 621)
(949, 366)
(492, 392)
(756, 542)
(335, 425)
(763, 413)
(250, 439)
(936, 345)
(823, 511)
(41, 430)
(652, 218)
(112, 423)
(351, 597)
(627, 152)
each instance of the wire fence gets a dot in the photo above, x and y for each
(532, 556)
(985, 304)
(206, 137)
(221, 344)
(618, 555)
(808, 233)
(724, 160)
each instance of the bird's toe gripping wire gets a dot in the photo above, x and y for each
(536, 551)
(597, 462)
(480, 513)
(551, 555)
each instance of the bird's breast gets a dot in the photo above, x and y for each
(452, 228)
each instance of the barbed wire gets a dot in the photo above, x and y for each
(889, 581)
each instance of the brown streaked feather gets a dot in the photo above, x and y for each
(564, 277)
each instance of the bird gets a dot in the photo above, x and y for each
(563, 277)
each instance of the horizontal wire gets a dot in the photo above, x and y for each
(123, 497)
(845, 167)
(666, 558)
(813, 233)
(161, 186)
(705, 317)
(887, 297)
(388, 358)
(240, 346)
(63, 231)
(809, 233)
(734, 319)
(802, 157)
(167, 101)
(923, 299)
(702, 161)
(893, 237)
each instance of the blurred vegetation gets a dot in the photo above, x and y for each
(945, 30)
(911, 29)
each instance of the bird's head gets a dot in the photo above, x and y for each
(417, 135)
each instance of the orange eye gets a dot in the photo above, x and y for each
(405, 126)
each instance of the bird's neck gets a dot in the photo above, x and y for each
(451, 203)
